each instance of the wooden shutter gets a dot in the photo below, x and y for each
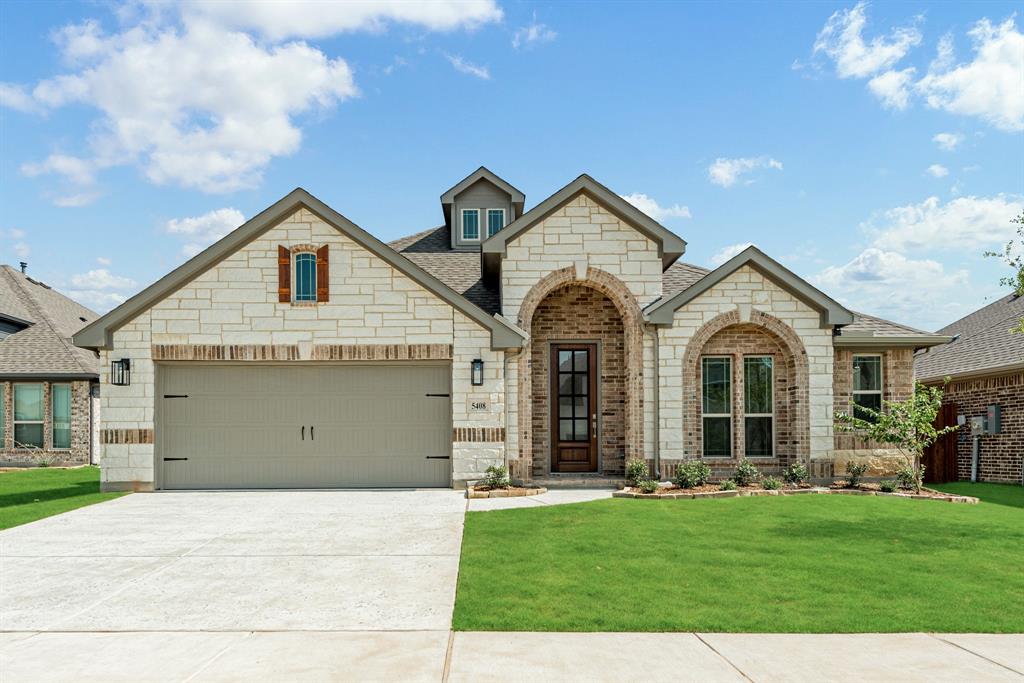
(322, 275)
(284, 274)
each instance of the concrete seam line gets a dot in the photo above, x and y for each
(724, 658)
(215, 657)
(976, 654)
(448, 658)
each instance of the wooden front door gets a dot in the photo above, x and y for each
(574, 408)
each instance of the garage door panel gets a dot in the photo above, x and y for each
(365, 426)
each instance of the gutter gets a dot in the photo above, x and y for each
(974, 374)
(871, 341)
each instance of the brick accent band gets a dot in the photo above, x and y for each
(479, 434)
(126, 436)
(225, 352)
(382, 352)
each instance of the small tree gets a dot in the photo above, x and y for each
(908, 426)
(1013, 256)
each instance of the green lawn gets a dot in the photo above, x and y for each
(31, 494)
(1000, 494)
(786, 564)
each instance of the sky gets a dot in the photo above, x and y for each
(874, 149)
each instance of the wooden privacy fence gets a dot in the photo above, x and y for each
(940, 458)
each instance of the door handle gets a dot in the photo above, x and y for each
(303, 432)
(312, 436)
(593, 423)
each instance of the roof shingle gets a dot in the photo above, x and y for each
(983, 342)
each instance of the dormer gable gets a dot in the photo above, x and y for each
(478, 206)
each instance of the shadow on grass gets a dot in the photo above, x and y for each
(69, 490)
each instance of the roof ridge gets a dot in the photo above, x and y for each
(44, 317)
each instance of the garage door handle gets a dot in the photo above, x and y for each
(312, 435)
(303, 432)
(170, 459)
(438, 395)
(439, 457)
(175, 395)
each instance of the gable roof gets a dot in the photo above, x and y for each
(670, 245)
(43, 348)
(982, 343)
(99, 333)
(832, 313)
(483, 173)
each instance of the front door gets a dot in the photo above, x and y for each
(574, 408)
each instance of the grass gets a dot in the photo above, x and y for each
(31, 494)
(1000, 494)
(811, 564)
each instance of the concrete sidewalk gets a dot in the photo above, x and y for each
(157, 656)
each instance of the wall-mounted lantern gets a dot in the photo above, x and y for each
(477, 373)
(121, 372)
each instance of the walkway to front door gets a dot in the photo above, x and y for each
(574, 413)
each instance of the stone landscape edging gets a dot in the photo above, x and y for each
(506, 493)
(950, 498)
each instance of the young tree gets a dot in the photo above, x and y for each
(908, 426)
(1013, 256)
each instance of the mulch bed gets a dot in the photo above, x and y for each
(841, 488)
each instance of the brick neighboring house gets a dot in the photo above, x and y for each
(985, 364)
(48, 413)
(563, 340)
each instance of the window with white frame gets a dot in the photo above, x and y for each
(758, 407)
(60, 409)
(304, 274)
(867, 385)
(471, 224)
(28, 415)
(495, 220)
(716, 405)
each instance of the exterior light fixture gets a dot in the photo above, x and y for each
(121, 372)
(477, 374)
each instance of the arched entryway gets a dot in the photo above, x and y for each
(580, 379)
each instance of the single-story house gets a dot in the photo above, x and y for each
(49, 412)
(984, 363)
(567, 339)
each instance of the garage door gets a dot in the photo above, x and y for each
(309, 426)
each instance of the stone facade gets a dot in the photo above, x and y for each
(81, 427)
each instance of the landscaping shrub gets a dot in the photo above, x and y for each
(647, 485)
(746, 473)
(795, 473)
(856, 471)
(771, 483)
(908, 478)
(496, 477)
(887, 486)
(727, 485)
(691, 474)
(636, 471)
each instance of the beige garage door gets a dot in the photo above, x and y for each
(309, 426)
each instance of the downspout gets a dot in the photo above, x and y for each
(657, 399)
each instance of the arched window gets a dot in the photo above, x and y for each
(305, 276)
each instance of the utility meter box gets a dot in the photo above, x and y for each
(993, 421)
(977, 424)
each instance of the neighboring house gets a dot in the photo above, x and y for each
(48, 414)
(300, 351)
(985, 365)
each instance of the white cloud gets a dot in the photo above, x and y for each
(101, 278)
(989, 86)
(892, 88)
(651, 207)
(532, 34)
(202, 231)
(13, 239)
(726, 253)
(889, 284)
(947, 141)
(842, 40)
(937, 171)
(97, 300)
(726, 172)
(462, 66)
(970, 223)
(317, 19)
(14, 96)
(103, 261)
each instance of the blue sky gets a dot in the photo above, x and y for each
(875, 149)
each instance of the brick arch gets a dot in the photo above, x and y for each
(632, 319)
(797, 393)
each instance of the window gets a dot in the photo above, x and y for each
(867, 385)
(305, 276)
(470, 224)
(495, 220)
(60, 406)
(28, 415)
(716, 406)
(758, 410)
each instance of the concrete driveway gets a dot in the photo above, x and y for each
(173, 586)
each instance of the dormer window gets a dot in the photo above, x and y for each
(495, 220)
(471, 224)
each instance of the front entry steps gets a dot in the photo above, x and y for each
(579, 481)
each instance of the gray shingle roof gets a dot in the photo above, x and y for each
(864, 323)
(44, 347)
(985, 342)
